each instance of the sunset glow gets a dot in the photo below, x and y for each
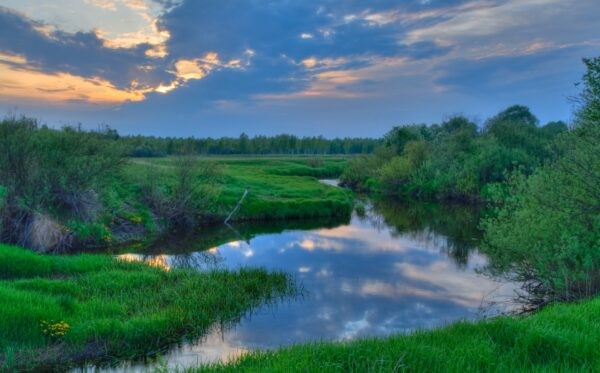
(275, 67)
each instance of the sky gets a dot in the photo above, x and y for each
(334, 68)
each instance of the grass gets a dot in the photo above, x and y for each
(280, 187)
(112, 308)
(562, 338)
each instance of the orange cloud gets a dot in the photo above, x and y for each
(12, 58)
(166, 88)
(19, 82)
(323, 84)
(199, 68)
(191, 69)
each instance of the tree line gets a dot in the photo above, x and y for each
(456, 159)
(149, 146)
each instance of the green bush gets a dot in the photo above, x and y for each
(454, 160)
(548, 229)
(57, 173)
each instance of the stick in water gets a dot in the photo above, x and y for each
(237, 206)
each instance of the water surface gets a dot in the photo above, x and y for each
(395, 269)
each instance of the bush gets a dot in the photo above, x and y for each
(52, 172)
(454, 160)
(191, 190)
(548, 230)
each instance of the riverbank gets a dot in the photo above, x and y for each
(59, 311)
(144, 198)
(562, 337)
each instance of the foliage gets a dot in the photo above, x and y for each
(53, 172)
(361, 171)
(455, 160)
(548, 230)
(188, 190)
(108, 308)
(589, 99)
(149, 146)
(54, 329)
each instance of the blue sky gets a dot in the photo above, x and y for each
(333, 68)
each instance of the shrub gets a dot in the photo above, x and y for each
(548, 230)
(53, 172)
(183, 201)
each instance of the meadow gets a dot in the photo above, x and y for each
(280, 187)
(64, 310)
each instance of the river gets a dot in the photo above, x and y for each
(392, 269)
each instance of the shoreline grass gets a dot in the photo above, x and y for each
(562, 337)
(62, 311)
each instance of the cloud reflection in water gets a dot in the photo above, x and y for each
(370, 277)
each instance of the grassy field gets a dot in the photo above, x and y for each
(560, 338)
(279, 187)
(61, 310)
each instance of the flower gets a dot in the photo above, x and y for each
(54, 329)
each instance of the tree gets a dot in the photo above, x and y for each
(548, 229)
(244, 146)
(515, 114)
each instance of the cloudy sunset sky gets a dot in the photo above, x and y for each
(336, 68)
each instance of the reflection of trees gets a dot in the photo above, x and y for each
(203, 260)
(450, 227)
(208, 237)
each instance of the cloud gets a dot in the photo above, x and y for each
(99, 73)
(199, 68)
(12, 59)
(80, 53)
(103, 4)
(119, 23)
(24, 84)
(482, 29)
(191, 69)
(394, 60)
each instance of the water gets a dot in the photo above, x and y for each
(397, 268)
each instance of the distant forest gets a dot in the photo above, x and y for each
(147, 146)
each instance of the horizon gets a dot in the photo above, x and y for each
(181, 68)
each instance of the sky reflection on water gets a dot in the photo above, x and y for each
(394, 270)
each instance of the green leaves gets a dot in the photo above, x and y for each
(548, 227)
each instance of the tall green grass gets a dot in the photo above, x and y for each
(280, 187)
(114, 309)
(560, 338)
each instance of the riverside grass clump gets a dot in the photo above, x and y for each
(60, 311)
(560, 338)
